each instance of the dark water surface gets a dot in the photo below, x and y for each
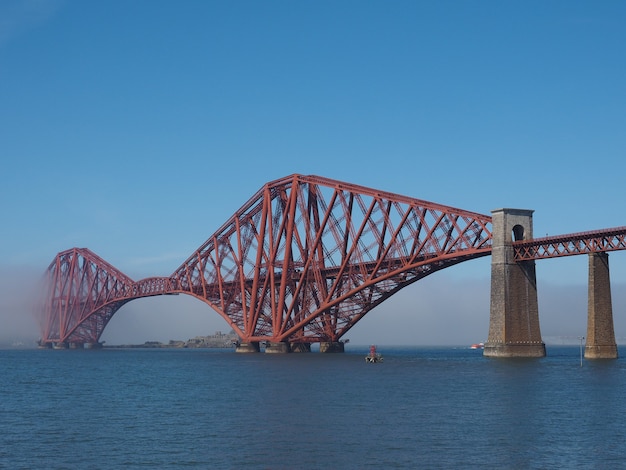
(421, 408)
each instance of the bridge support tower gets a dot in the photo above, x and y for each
(514, 313)
(600, 342)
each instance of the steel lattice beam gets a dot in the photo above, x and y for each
(303, 260)
(307, 257)
(82, 293)
(611, 239)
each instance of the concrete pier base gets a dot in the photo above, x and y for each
(94, 345)
(300, 347)
(601, 351)
(600, 343)
(276, 348)
(252, 347)
(332, 347)
(60, 345)
(514, 313)
(514, 350)
(74, 345)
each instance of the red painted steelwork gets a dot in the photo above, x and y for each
(82, 293)
(611, 239)
(307, 257)
(302, 261)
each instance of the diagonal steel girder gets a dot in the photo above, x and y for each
(306, 257)
(81, 294)
(302, 261)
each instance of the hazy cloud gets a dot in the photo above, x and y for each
(18, 302)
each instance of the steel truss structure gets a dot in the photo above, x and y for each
(611, 239)
(301, 262)
(82, 292)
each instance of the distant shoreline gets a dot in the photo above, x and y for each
(154, 345)
(218, 340)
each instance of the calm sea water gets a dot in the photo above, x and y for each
(421, 408)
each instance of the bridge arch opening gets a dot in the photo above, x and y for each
(161, 319)
(518, 233)
(445, 308)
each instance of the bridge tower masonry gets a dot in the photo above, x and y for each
(600, 343)
(514, 315)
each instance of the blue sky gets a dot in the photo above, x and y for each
(137, 128)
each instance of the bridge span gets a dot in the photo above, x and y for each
(307, 257)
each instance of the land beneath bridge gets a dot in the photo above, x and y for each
(217, 340)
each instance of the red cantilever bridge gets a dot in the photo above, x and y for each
(301, 262)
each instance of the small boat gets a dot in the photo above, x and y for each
(478, 346)
(373, 356)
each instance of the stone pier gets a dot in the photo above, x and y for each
(252, 347)
(514, 313)
(332, 347)
(300, 347)
(600, 343)
(276, 348)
